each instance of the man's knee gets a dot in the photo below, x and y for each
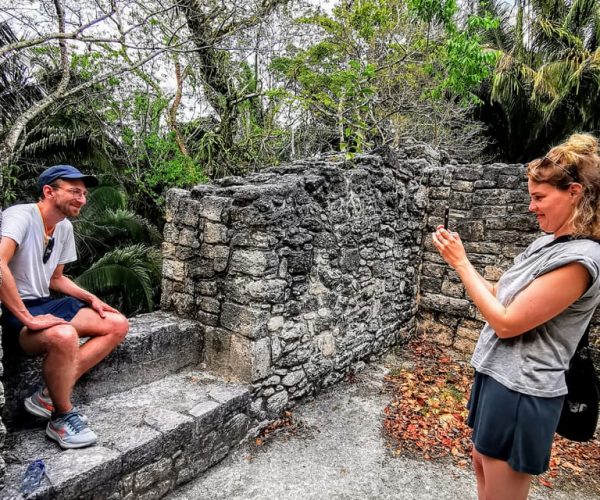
(119, 326)
(62, 337)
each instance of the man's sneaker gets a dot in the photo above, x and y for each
(41, 406)
(69, 431)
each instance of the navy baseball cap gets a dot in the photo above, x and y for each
(68, 172)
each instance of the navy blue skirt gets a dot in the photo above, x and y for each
(511, 426)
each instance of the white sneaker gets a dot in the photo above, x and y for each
(42, 406)
(70, 431)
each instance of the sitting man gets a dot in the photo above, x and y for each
(37, 241)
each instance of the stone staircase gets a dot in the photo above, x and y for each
(160, 420)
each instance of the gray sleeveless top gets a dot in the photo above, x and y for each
(534, 363)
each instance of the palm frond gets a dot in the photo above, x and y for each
(580, 15)
(503, 36)
(556, 40)
(106, 197)
(102, 229)
(133, 272)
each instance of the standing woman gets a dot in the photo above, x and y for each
(535, 316)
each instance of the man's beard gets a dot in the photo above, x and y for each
(68, 210)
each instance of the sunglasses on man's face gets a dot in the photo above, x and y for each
(48, 250)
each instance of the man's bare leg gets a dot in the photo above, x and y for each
(65, 360)
(106, 334)
(60, 343)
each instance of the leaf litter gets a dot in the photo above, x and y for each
(426, 418)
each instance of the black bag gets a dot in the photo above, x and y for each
(579, 416)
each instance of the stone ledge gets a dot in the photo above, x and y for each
(158, 344)
(150, 440)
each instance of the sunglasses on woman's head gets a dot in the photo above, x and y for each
(571, 170)
(48, 250)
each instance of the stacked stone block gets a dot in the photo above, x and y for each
(299, 273)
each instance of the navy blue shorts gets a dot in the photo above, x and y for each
(65, 308)
(511, 426)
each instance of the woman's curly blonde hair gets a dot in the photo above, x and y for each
(575, 160)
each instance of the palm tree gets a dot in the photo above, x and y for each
(126, 278)
(119, 257)
(546, 83)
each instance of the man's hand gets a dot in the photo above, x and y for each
(43, 321)
(101, 307)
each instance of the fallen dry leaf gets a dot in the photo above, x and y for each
(427, 418)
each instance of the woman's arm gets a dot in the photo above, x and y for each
(490, 286)
(535, 305)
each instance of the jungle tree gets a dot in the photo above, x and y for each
(546, 84)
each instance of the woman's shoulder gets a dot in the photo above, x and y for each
(534, 247)
(581, 250)
(584, 246)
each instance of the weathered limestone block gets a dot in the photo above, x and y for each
(209, 304)
(253, 239)
(245, 321)
(215, 252)
(174, 270)
(277, 403)
(248, 290)
(469, 329)
(237, 356)
(212, 207)
(190, 213)
(173, 199)
(188, 238)
(215, 233)
(253, 262)
(293, 378)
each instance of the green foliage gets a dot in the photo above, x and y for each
(167, 166)
(467, 62)
(434, 11)
(125, 277)
(378, 58)
(546, 83)
(459, 60)
(154, 159)
(335, 78)
(119, 258)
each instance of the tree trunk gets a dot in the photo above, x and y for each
(172, 116)
(210, 26)
(12, 138)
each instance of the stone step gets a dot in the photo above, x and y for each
(151, 439)
(158, 344)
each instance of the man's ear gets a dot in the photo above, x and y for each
(47, 190)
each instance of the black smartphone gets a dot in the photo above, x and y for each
(446, 217)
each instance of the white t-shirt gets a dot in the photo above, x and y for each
(24, 225)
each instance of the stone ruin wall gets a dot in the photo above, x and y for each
(302, 273)
(299, 274)
(489, 209)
